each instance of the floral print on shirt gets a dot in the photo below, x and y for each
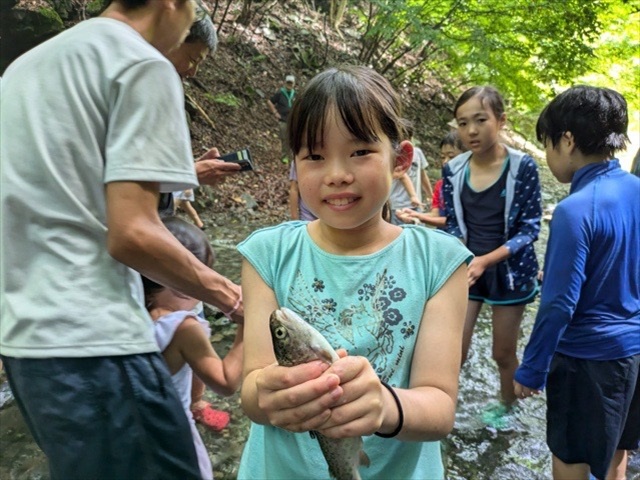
(373, 321)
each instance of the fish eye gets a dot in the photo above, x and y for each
(280, 333)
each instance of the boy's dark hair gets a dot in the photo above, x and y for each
(596, 117)
(452, 138)
(192, 238)
(486, 94)
(364, 99)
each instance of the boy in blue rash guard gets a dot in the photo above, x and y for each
(585, 343)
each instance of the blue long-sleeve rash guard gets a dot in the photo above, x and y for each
(590, 302)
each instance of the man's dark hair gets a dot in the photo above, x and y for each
(596, 117)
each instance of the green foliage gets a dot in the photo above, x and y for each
(49, 18)
(228, 99)
(527, 49)
(616, 63)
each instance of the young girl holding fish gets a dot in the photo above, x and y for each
(396, 317)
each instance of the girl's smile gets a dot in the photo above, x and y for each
(341, 201)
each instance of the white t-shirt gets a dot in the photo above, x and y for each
(399, 198)
(93, 105)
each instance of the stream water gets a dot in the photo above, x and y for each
(473, 451)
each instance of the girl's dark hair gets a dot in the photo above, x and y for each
(452, 138)
(365, 100)
(192, 238)
(486, 94)
(596, 117)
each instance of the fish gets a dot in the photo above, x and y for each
(296, 342)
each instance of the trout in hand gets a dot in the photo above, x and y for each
(296, 342)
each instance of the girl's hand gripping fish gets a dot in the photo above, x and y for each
(296, 342)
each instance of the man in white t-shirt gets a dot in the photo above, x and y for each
(93, 128)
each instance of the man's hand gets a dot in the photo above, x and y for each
(211, 171)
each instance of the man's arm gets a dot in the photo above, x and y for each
(137, 238)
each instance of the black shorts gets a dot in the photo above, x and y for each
(593, 409)
(492, 288)
(105, 417)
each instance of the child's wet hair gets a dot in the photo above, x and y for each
(596, 117)
(364, 99)
(452, 138)
(192, 238)
(488, 96)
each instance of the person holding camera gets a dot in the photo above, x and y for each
(201, 42)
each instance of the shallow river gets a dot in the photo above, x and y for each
(474, 451)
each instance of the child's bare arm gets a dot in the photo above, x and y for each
(296, 398)
(223, 376)
(426, 184)
(434, 219)
(408, 186)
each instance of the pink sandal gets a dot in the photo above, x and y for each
(211, 418)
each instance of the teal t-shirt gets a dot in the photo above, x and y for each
(370, 305)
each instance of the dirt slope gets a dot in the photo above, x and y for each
(232, 88)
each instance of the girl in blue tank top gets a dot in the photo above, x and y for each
(392, 298)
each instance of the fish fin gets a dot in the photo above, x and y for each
(313, 434)
(364, 459)
(324, 354)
